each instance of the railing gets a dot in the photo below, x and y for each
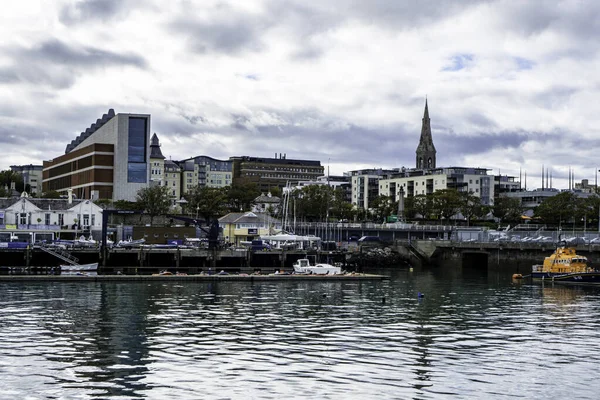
(387, 226)
(61, 254)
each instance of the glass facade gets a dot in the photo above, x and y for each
(136, 151)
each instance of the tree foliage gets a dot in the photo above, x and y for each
(208, 202)
(313, 202)
(51, 194)
(445, 203)
(420, 204)
(470, 206)
(8, 176)
(507, 209)
(558, 209)
(241, 195)
(154, 200)
(382, 207)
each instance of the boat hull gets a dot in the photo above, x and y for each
(580, 277)
(319, 269)
(79, 268)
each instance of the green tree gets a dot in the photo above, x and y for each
(382, 206)
(154, 200)
(127, 205)
(507, 209)
(470, 206)
(51, 194)
(340, 208)
(445, 203)
(241, 195)
(421, 205)
(313, 202)
(8, 176)
(558, 209)
(208, 202)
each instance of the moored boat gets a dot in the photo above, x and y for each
(91, 267)
(565, 265)
(303, 266)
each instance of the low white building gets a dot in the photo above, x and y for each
(28, 213)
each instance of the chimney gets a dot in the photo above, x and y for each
(70, 196)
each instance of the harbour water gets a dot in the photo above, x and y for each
(472, 334)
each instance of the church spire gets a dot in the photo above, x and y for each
(426, 150)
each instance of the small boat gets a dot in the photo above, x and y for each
(303, 266)
(564, 265)
(79, 268)
(129, 243)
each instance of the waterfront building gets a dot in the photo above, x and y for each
(109, 160)
(32, 177)
(505, 184)
(425, 182)
(266, 203)
(365, 185)
(205, 171)
(172, 179)
(586, 186)
(248, 226)
(274, 172)
(157, 162)
(26, 215)
(336, 182)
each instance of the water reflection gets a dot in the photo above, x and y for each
(467, 337)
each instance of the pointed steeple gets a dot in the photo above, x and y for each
(426, 150)
(155, 148)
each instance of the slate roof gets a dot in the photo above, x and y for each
(155, 151)
(267, 199)
(42, 204)
(247, 217)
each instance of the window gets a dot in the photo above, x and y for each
(136, 151)
(47, 219)
(93, 219)
(61, 219)
(23, 218)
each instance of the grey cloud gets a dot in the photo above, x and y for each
(91, 10)
(235, 34)
(579, 19)
(482, 142)
(8, 75)
(555, 97)
(58, 64)
(57, 52)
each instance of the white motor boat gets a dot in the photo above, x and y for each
(129, 243)
(303, 266)
(92, 267)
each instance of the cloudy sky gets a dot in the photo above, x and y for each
(511, 85)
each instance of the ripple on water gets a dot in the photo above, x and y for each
(299, 340)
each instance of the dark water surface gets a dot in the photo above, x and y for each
(470, 336)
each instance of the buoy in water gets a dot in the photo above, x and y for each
(517, 276)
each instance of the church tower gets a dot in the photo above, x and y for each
(426, 150)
